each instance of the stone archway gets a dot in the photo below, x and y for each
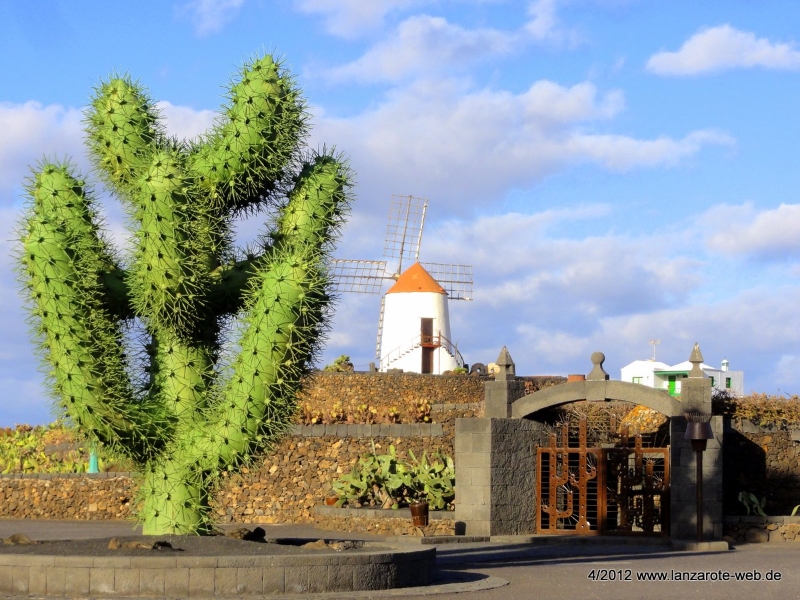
(496, 455)
(576, 391)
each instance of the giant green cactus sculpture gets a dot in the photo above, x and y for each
(199, 409)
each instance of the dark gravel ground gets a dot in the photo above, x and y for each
(191, 546)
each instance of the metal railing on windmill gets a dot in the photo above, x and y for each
(414, 324)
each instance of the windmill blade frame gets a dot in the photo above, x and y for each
(358, 276)
(455, 279)
(404, 229)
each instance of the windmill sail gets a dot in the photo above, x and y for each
(359, 276)
(455, 279)
(404, 229)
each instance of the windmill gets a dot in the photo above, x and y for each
(418, 299)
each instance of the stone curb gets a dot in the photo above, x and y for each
(686, 546)
(445, 582)
(127, 576)
(380, 513)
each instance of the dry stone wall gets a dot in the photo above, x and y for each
(298, 475)
(764, 461)
(285, 485)
(396, 387)
(757, 530)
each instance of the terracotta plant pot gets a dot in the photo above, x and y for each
(419, 514)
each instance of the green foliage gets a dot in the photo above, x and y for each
(385, 481)
(53, 448)
(176, 405)
(433, 481)
(340, 365)
(753, 504)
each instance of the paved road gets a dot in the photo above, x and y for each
(543, 572)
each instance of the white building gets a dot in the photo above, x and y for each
(661, 376)
(415, 329)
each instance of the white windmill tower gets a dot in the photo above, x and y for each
(414, 325)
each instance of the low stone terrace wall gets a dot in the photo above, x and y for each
(762, 529)
(283, 487)
(401, 388)
(66, 496)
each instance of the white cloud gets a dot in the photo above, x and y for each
(723, 48)
(31, 131)
(351, 18)
(210, 16)
(543, 25)
(425, 44)
(184, 122)
(462, 145)
(622, 153)
(745, 230)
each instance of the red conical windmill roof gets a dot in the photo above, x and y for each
(416, 279)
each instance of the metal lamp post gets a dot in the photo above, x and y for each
(699, 431)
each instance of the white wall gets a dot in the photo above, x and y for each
(646, 370)
(401, 330)
(643, 369)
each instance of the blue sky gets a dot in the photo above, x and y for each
(616, 171)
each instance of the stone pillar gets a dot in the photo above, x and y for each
(495, 470)
(695, 397)
(500, 394)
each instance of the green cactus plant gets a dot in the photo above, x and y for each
(199, 408)
(376, 479)
(753, 504)
(434, 480)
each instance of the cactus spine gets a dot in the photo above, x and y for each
(190, 416)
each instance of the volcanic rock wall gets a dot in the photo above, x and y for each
(288, 482)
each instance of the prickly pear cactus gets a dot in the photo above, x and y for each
(193, 412)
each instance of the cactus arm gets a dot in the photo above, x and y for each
(181, 371)
(61, 263)
(314, 211)
(169, 272)
(284, 312)
(122, 129)
(129, 148)
(317, 203)
(244, 158)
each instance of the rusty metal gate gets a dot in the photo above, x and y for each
(622, 490)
